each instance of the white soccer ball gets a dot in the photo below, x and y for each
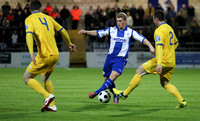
(104, 96)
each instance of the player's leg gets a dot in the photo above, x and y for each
(107, 70)
(34, 84)
(171, 89)
(133, 84)
(115, 98)
(118, 66)
(135, 80)
(114, 77)
(145, 68)
(47, 83)
(108, 83)
(51, 62)
(49, 88)
(164, 80)
(106, 73)
(113, 68)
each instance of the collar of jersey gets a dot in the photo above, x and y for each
(123, 29)
(35, 12)
(162, 23)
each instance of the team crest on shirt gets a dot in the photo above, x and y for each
(157, 38)
(26, 26)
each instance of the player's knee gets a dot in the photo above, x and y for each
(25, 79)
(117, 74)
(139, 71)
(164, 81)
(114, 75)
(162, 84)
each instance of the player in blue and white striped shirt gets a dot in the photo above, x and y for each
(120, 40)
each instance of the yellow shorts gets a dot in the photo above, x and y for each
(43, 65)
(150, 67)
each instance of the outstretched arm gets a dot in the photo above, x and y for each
(147, 43)
(92, 33)
(142, 39)
(65, 36)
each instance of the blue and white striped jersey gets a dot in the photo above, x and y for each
(120, 40)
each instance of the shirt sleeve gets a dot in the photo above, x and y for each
(103, 32)
(65, 36)
(29, 35)
(158, 36)
(159, 46)
(57, 26)
(29, 26)
(137, 36)
(62, 31)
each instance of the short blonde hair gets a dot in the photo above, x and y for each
(122, 15)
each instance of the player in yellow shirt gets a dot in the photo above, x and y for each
(164, 62)
(41, 28)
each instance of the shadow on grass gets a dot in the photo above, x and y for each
(91, 107)
(135, 112)
(116, 110)
(14, 113)
(17, 113)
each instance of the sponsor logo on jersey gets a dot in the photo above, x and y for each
(119, 39)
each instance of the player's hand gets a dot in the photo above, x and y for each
(159, 69)
(33, 58)
(82, 32)
(72, 48)
(152, 50)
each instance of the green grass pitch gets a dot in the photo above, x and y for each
(149, 101)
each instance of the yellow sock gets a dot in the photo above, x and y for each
(35, 85)
(49, 88)
(174, 91)
(133, 84)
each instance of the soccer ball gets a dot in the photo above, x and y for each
(104, 96)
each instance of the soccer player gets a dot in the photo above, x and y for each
(120, 39)
(164, 62)
(40, 27)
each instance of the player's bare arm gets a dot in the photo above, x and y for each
(147, 43)
(92, 33)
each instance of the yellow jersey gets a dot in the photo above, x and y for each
(42, 27)
(165, 37)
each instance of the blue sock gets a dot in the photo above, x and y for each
(105, 86)
(111, 89)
